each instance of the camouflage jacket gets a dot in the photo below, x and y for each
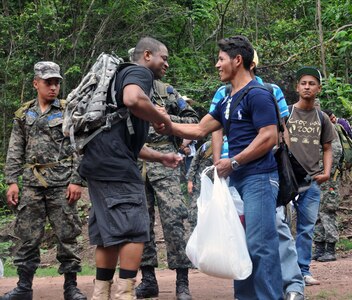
(336, 155)
(38, 150)
(178, 109)
(202, 160)
(180, 112)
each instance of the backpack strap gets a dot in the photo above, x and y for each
(21, 112)
(239, 99)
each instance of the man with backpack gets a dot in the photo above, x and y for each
(293, 284)
(51, 185)
(119, 221)
(309, 128)
(251, 128)
(343, 122)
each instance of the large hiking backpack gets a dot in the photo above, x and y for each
(87, 111)
(346, 143)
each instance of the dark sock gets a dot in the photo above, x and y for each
(127, 274)
(105, 274)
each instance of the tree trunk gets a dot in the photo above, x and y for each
(321, 38)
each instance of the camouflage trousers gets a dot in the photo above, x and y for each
(35, 205)
(326, 227)
(193, 210)
(167, 194)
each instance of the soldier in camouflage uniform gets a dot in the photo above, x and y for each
(51, 186)
(163, 187)
(326, 230)
(202, 160)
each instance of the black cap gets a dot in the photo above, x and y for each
(309, 71)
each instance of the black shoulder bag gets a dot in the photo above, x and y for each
(293, 178)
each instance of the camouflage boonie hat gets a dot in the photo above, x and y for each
(47, 69)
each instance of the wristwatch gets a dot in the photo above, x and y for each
(234, 164)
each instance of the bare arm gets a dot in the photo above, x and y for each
(262, 144)
(217, 140)
(191, 131)
(140, 105)
(171, 159)
(327, 160)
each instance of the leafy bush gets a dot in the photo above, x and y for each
(336, 95)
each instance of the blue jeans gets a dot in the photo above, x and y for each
(291, 273)
(259, 194)
(307, 207)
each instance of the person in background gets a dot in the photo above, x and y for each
(343, 122)
(163, 188)
(51, 185)
(326, 232)
(201, 160)
(309, 129)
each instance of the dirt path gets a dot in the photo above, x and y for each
(335, 277)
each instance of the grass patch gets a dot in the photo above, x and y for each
(324, 295)
(344, 244)
(11, 271)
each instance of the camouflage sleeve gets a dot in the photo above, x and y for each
(186, 115)
(15, 154)
(181, 111)
(336, 154)
(193, 169)
(75, 177)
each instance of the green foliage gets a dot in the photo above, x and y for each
(51, 271)
(3, 189)
(337, 96)
(5, 249)
(74, 33)
(344, 245)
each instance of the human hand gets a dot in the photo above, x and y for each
(320, 178)
(223, 166)
(161, 109)
(12, 194)
(171, 160)
(190, 187)
(73, 193)
(163, 128)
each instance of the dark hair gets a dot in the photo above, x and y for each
(328, 112)
(238, 45)
(146, 43)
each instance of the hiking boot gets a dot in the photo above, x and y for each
(294, 296)
(182, 290)
(102, 290)
(319, 250)
(125, 289)
(71, 292)
(23, 291)
(148, 288)
(329, 254)
(309, 280)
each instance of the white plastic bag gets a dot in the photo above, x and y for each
(217, 246)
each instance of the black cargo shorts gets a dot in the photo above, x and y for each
(118, 214)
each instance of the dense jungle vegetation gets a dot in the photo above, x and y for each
(286, 34)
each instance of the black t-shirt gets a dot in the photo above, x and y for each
(112, 155)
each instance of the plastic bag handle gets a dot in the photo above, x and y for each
(207, 169)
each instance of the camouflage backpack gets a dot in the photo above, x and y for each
(346, 143)
(88, 112)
